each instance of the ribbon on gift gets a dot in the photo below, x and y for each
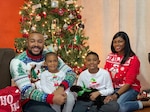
(84, 89)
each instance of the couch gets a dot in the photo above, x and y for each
(6, 54)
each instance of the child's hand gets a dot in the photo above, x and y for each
(94, 95)
(60, 90)
(108, 99)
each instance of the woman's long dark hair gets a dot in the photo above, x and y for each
(127, 49)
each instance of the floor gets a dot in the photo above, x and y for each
(144, 110)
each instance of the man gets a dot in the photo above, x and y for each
(35, 100)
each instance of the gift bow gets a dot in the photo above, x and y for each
(84, 89)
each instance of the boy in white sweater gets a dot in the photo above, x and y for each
(96, 78)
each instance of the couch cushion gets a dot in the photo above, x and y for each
(6, 54)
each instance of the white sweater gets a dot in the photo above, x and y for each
(100, 80)
(51, 81)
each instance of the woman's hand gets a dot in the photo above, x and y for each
(110, 98)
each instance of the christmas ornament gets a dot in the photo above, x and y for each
(54, 24)
(61, 12)
(24, 31)
(44, 14)
(71, 16)
(45, 36)
(58, 31)
(79, 16)
(59, 22)
(25, 35)
(58, 41)
(77, 38)
(65, 26)
(55, 47)
(37, 18)
(52, 48)
(81, 26)
(69, 2)
(23, 19)
(45, 2)
(54, 3)
(36, 6)
(70, 28)
(33, 28)
(74, 12)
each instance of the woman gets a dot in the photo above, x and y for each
(123, 66)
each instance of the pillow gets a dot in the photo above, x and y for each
(10, 99)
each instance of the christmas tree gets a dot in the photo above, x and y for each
(61, 24)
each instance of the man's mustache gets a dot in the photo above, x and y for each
(36, 47)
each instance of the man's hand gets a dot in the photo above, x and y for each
(13, 83)
(59, 90)
(60, 96)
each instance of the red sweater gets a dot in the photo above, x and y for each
(125, 73)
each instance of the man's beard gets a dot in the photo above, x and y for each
(30, 52)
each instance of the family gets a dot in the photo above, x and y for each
(116, 84)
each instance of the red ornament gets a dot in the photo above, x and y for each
(79, 16)
(44, 14)
(54, 10)
(23, 19)
(74, 12)
(74, 47)
(70, 27)
(61, 12)
(25, 35)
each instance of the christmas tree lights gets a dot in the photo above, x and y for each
(61, 24)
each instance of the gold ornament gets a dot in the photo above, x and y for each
(54, 24)
(36, 6)
(37, 18)
(70, 2)
(33, 28)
